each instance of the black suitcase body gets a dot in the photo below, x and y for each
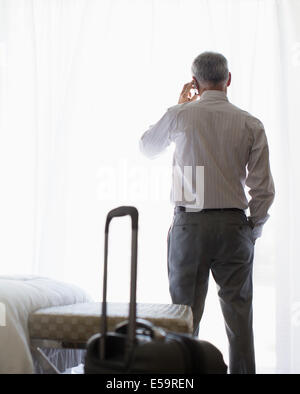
(137, 346)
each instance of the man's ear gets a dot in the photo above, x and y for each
(229, 80)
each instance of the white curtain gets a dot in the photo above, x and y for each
(80, 81)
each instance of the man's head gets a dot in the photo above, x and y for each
(210, 72)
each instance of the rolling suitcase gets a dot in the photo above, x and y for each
(136, 345)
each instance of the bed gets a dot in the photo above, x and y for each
(48, 323)
(20, 296)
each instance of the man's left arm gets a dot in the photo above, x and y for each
(259, 180)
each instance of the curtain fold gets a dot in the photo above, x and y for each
(80, 81)
(288, 249)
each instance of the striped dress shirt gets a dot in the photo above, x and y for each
(219, 149)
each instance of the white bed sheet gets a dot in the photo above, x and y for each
(20, 296)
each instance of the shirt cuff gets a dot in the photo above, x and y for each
(257, 231)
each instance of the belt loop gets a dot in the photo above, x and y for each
(179, 209)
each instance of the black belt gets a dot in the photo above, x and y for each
(183, 209)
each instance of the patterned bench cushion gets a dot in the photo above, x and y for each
(78, 322)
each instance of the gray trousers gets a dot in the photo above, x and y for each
(221, 242)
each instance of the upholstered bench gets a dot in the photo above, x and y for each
(71, 326)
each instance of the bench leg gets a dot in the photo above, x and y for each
(48, 366)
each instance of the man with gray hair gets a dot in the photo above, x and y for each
(219, 149)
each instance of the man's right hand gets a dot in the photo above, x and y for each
(187, 95)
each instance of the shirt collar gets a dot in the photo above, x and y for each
(211, 95)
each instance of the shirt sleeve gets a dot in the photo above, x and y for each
(158, 137)
(259, 178)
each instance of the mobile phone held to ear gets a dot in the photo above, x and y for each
(194, 89)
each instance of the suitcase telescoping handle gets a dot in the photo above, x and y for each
(131, 334)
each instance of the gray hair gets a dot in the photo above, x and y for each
(210, 68)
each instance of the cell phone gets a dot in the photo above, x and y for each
(194, 89)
